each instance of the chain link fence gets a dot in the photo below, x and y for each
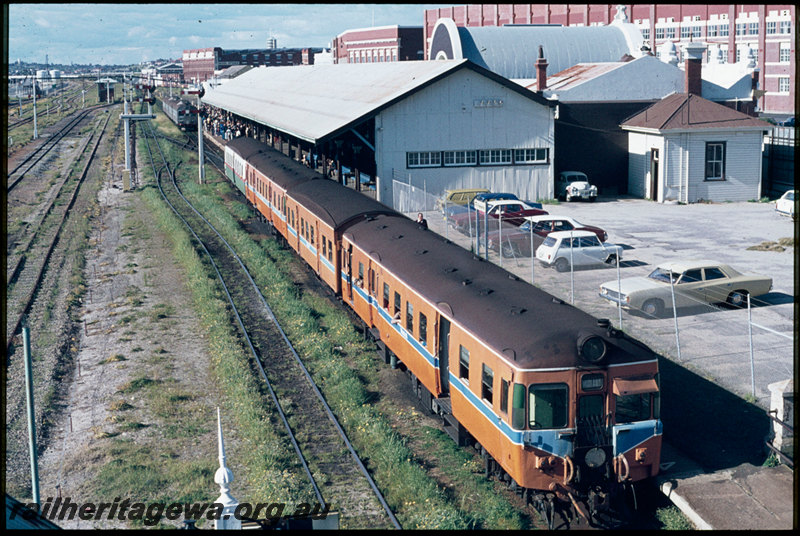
(576, 268)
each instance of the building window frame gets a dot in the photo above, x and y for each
(532, 156)
(495, 157)
(422, 159)
(459, 158)
(715, 160)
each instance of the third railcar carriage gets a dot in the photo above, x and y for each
(181, 112)
(564, 407)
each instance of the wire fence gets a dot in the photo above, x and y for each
(682, 321)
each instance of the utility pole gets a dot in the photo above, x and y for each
(199, 92)
(35, 129)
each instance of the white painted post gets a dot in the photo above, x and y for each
(750, 337)
(675, 315)
(619, 291)
(533, 256)
(499, 237)
(571, 271)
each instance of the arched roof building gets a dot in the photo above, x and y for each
(511, 50)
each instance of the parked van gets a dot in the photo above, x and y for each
(458, 197)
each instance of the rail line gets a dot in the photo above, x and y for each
(27, 264)
(16, 175)
(314, 418)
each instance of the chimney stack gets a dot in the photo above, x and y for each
(692, 65)
(541, 71)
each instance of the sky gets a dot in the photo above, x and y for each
(133, 33)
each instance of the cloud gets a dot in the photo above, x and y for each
(44, 23)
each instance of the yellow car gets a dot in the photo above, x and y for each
(458, 197)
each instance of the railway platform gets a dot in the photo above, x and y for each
(746, 497)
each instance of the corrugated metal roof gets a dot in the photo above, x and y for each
(314, 101)
(511, 51)
(578, 74)
(681, 111)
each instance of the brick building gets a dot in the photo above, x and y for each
(379, 44)
(733, 29)
(200, 64)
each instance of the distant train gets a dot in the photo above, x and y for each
(181, 112)
(563, 407)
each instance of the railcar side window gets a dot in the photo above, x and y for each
(463, 363)
(504, 395)
(324, 247)
(423, 329)
(397, 304)
(518, 407)
(360, 272)
(548, 406)
(409, 317)
(487, 384)
(386, 296)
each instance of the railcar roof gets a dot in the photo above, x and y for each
(282, 170)
(528, 326)
(334, 204)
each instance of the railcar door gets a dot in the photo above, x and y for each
(444, 355)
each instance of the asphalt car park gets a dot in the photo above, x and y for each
(714, 341)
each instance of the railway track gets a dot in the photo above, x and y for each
(16, 175)
(28, 260)
(345, 484)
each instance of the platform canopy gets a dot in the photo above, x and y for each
(317, 103)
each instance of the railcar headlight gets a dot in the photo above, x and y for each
(592, 348)
(595, 457)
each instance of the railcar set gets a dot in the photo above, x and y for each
(562, 406)
(181, 112)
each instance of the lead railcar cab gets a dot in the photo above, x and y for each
(560, 403)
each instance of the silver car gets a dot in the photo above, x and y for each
(563, 249)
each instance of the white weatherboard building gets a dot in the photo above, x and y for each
(435, 125)
(688, 149)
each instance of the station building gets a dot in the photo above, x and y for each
(421, 125)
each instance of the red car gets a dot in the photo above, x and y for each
(513, 211)
(518, 243)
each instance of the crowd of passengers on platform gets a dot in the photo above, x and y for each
(225, 125)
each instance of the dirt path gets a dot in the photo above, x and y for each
(137, 329)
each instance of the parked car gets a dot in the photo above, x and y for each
(563, 249)
(460, 197)
(518, 242)
(480, 197)
(788, 123)
(574, 185)
(512, 212)
(785, 205)
(693, 282)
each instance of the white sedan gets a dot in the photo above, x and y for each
(692, 282)
(785, 205)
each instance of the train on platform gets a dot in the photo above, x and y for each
(563, 407)
(181, 112)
